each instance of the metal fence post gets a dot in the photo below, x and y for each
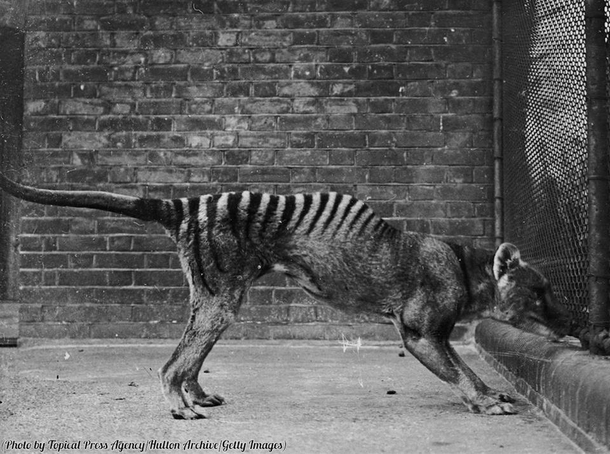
(498, 122)
(598, 174)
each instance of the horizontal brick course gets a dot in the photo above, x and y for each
(388, 100)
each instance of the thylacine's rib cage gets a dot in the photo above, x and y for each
(251, 225)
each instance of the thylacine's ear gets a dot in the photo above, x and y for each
(507, 257)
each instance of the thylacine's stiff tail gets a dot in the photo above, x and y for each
(135, 207)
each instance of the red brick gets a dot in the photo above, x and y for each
(381, 139)
(83, 107)
(421, 174)
(163, 73)
(380, 157)
(81, 243)
(380, 122)
(336, 71)
(302, 140)
(418, 210)
(124, 22)
(266, 38)
(159, 106)
(268, 106)
(150, 40)
(46, 260)
(197, 158)
(420, 139)
(465, 192)
(161, 175)
(343, 38)
(121, 91)
(198, 123)
(341, 140)
(154, 278)
(302, 158)
(341, 175)
(162, 313)
(264, 174)
(84, 40)
(460, 210)
(457, 227)
(262, 140)
(76, 278)
(301, 122)
(160, 141)
(262, 157)
(302, 89)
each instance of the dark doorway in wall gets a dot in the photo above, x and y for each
(11, 126)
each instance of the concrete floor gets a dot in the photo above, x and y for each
(310, 397)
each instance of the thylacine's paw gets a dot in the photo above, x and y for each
(209, 400)
(500, 395)
(186, 413)
(195, 396)
(494, 403)
(500, 408)
(195, 410)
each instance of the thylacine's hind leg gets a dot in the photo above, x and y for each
(179, 376)
(439, 357)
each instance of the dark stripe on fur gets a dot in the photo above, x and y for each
(211, 208)
(333, 212)
(289, 208)
(366, 222)
(307, 200)
(193, 235)
(253, 206)
(233, 209)
(269, 213)
(379, 227)
(177, 217)
(321, 207)
(359, 214)
(346, 213)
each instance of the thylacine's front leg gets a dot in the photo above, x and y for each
(179, 376)
(440, 358)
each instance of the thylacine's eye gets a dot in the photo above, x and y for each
(539, 291)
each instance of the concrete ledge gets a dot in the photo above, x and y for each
(568, 384)
(9, 324)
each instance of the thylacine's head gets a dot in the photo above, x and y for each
(525, 297)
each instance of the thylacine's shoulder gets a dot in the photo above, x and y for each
(472, 256)
(477, 270)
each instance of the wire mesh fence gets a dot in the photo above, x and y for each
(545, 142)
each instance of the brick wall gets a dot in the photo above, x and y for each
(388, 100)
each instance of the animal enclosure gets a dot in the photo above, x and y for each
(550, 135)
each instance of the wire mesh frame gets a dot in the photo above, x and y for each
(545, 142)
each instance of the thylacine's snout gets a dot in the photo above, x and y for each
(531, 322)
(543, 316)
(563, 322)
(557, 317)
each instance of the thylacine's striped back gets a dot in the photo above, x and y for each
(247, 215)
(257, 216)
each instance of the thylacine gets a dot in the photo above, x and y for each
(341, 253)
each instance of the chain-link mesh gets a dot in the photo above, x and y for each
(545, 142)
